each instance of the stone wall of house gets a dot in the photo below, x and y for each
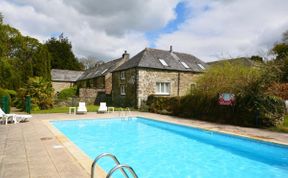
(129, 99)
(108, 84)
(140, 83)
(180, 83)
(89, 95)
(58, 86)
(187, 80)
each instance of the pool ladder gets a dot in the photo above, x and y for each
(125, 114)
(114, 169)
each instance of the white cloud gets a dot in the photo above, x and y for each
(213, 28)
(233, 28)
(96, 28)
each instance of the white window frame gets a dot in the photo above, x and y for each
(104, 71)
(122, 89)
(163, 88)
(201, 66)
(185, 65)
(163, 62)
(122, 75)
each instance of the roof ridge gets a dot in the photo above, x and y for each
(144, 51)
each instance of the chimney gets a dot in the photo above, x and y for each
(125, 56)
(171, 48)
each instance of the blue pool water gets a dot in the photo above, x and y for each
(161, 150)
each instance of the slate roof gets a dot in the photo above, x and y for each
(100, 70)
(61, 75)
(149, 58)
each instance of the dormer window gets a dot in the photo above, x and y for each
(122, 75)
(185, 65)
(104, 71)
(201, 66)
(163, 62)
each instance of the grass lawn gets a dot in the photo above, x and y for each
(282, 128)
(90, 108)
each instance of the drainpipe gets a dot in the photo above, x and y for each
(178, 88)
(136, 87)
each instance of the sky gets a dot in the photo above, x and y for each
(208, 29)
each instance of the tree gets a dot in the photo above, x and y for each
(1, 18)
(227, 77)
(8, 77)
(90, 62)
(285, 37)
(62, 56)
(256, 58)
(21, 57)
(280, 50)
(42, 63)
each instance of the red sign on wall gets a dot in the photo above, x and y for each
(226, 99)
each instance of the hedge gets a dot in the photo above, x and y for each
(259, 112)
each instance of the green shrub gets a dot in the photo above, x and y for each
(67, 93)
(123, 101)
(103, 97)
(163, 105)
(41, 93)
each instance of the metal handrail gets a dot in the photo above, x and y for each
(128, 112)
(121, 166)
(111, 156)
(121, 113)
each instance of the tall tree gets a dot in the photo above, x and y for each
(281, 52)
(21, 57)
(90, 62)
(1, 18)
(62, 54)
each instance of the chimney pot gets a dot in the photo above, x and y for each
(125, 55)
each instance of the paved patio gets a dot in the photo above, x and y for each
(36, 149)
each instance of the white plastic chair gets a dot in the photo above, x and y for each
(103, 107)
(81, 109)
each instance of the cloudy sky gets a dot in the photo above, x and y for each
(208, 29)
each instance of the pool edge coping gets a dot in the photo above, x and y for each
(84, 161)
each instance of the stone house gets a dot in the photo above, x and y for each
(157, 72)
(62, 79)
(98, 80)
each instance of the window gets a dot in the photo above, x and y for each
(122, 90)
(185, 65)
(163, 88)
(122, 75)
(163, 62)
(201, 66)
(104, 71)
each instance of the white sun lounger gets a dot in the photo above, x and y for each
(22, 118)
(16, 118)
(103, 107)
(81, 109)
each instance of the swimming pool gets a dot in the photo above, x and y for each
(162, 150)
